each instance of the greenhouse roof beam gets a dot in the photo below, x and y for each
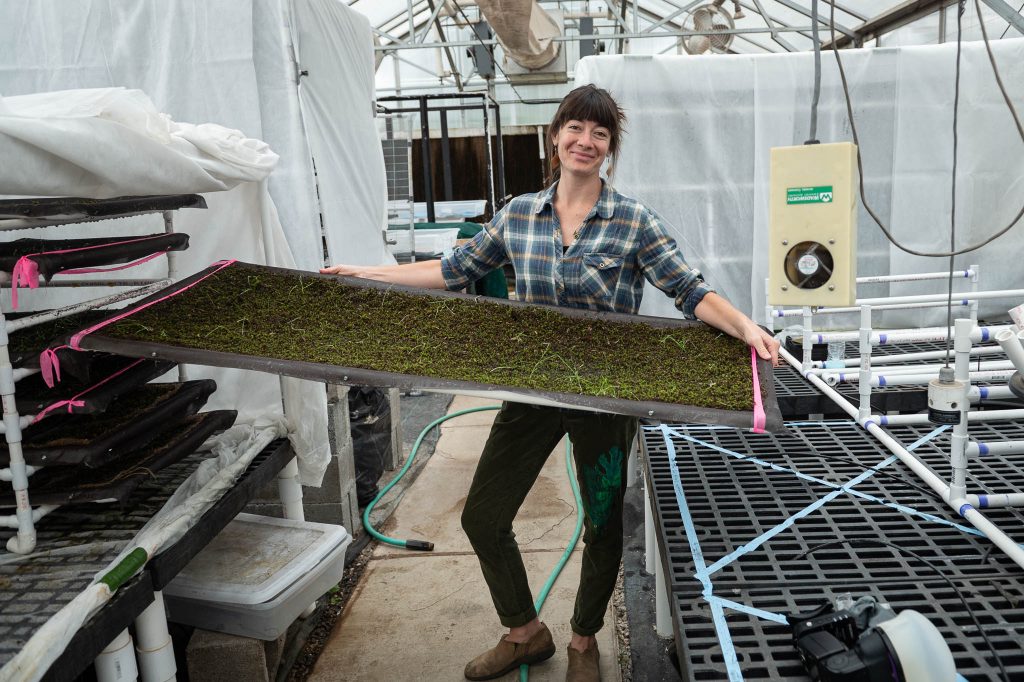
(786, 45)
(797, 7)
(886, 21)
(1007, 13)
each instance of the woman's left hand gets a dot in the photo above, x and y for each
(763, 343)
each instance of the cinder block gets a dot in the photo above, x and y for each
(273, 651)
(216, 657)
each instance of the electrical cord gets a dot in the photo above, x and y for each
(903, 550)
(961, 6)
(816, 96)
(860, 165)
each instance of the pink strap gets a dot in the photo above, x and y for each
(74, 401)
(759, 416)
(26, 271)
(49, 365)
(76, 340)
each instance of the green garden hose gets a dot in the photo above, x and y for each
(421, 545)
(429, 546)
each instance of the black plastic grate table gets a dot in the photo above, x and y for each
(37, 587)
(748, 504)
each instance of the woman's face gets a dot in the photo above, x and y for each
(582, 147)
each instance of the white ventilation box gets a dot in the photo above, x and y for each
(257, 576)
(813, 225)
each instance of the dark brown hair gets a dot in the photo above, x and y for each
(588, 103)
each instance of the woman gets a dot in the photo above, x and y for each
(579, 243)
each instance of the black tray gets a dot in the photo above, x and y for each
(118, 479)
(70, 207)
(33, 395)
(132, 421)
(87, 253)
(26, 344)
(367, 377)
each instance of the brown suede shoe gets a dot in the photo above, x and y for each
(508, 655)
(584, 667)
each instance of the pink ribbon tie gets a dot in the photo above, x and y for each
(49, 366)
(25, 273)
(70, 404)
(760, 419)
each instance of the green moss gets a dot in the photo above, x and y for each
(260, 312)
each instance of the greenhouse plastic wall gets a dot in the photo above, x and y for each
(700, 130)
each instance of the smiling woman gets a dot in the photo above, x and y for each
(580, 244)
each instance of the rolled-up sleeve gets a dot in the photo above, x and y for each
(474, 259)
(663, 265)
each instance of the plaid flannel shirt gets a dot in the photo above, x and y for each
(620, 243)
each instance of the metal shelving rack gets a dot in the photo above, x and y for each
(25, 214)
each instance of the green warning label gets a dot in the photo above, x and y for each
(809, 195)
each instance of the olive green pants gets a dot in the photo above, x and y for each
(519, 443)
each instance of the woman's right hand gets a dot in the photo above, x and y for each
(425, 274)
(346, 270)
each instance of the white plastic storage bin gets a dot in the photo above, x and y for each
(257, 576)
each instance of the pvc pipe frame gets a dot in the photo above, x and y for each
(153, 643)
(116, 663)
(908, 379)
(937, 299)
(907, 335)
(966, 505)
(903, 357)
(1011, 344)
(24, 518)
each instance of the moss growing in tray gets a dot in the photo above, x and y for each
(269, 313)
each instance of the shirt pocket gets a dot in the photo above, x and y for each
(600, 273)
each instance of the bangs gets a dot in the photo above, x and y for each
(592, 105)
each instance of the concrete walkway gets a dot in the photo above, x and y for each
(423, 615)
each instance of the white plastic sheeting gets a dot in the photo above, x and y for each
(337, 108)
(232, 63)
(700, 130)
(112, 142)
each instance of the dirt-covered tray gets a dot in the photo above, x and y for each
(115, 481)
(130, 422)
(73, 396)
(25, 345)
(353, 331)
(74, 207)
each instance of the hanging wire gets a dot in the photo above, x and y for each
(860, 165)
(813, 139)
(960, 8)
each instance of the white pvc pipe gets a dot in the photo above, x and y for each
(999, 500)
(13, 521)
(965, 507)
(8, 475)
(980, 393)
(958, 448)
(116, 663)
(23, 421)
(923, 298)
(650, 538)
(973, 417)
(290, 492)
(1005, 447)
(886, 306)
(898, 379)
(24, 372)
(1011, 345)
(977, 366)
(153, 643)
(24, 518)
(920, 355)
(957, 274)
(909, 335)
(662, 609)
(808, 344)
(864, 389)
(47, 316)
